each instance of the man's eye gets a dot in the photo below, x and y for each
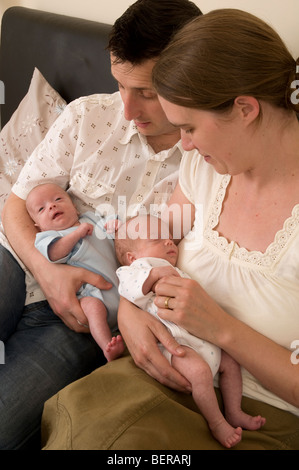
(148, 95)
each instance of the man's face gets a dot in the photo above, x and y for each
(140, 100)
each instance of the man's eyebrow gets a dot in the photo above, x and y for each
(135, 87)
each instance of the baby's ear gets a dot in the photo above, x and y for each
(130, 257)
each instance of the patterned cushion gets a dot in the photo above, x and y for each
(25, 130)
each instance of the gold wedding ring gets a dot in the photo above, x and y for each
(166, 302)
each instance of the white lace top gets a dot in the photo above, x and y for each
(261, 289)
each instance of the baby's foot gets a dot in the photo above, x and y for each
(114, 348)
(252, 423)
(226, 434)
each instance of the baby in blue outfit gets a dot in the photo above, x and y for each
(66, 237)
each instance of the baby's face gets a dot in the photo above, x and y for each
(51, 208)
(154, 240)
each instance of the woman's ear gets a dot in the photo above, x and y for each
(248, 106)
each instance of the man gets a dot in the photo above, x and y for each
(110, 151)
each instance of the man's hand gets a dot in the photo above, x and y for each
(141, 332)
(60, 283)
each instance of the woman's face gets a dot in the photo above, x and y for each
(218, 138)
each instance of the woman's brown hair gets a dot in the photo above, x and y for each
(224, 54)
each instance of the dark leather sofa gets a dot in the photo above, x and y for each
(70, 53)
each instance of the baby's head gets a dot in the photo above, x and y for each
(51, 208)
(144, 236)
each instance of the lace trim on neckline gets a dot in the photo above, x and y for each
(232, 249)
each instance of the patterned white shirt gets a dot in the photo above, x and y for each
(97, 154)
(102, 160)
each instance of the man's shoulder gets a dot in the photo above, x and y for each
(102, 100)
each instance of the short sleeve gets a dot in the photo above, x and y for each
(44, 239)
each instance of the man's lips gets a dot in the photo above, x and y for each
(142, 125)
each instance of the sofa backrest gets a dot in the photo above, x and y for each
(70, 53)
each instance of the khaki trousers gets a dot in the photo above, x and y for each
(119, 407)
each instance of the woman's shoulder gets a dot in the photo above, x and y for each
(197, 177)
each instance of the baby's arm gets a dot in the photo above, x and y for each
(62, 246)
(155, 275)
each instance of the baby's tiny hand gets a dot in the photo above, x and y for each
(85, 229)
(112, 225)
(162, 271)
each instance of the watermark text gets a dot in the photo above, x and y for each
(2, 92)
(2, 353)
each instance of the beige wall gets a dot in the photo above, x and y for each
(282, 14)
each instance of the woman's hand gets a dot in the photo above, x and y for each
(141, 332)
(190, 307)
(193, 309)
(60, 283)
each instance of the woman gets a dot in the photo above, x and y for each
(231, 91)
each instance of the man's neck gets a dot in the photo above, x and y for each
(163, 142)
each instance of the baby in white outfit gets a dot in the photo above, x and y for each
(147, 255)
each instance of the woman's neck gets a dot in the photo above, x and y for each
(276, 153)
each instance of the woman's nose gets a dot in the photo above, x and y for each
(187, 143)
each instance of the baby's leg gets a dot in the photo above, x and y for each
(199, 374)
(230, 381)
(96, 314)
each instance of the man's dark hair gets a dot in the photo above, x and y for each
(146, 28)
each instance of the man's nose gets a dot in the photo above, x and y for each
(131, 107)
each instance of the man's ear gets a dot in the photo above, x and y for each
(248, 106)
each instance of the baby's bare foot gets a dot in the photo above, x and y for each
(114, 348)
(226, 434)
(252, 423)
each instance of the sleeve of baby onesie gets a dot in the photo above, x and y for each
(131, 279)
(44, 239)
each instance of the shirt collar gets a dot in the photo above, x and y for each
(132, 131)
(129, 133)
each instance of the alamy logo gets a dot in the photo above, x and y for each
(2, 98)
(2, 353)
(295, 93)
